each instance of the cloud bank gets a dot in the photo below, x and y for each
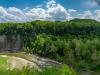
(52, 11)
(97, 1)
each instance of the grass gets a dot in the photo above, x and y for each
(64, 70)
(11, 62)
(18, 54)
(3, 62)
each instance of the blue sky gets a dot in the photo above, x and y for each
(72, 4)
(20, 3)
(28, 10)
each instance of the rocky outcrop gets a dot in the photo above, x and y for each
(10, 42)
(33, 62)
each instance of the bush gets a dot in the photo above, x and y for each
(64, 70)
(69, 42)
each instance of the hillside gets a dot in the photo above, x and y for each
(27, 64)
(75, 43)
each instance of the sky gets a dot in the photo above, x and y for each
(29, 10)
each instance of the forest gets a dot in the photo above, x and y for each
(75, 42)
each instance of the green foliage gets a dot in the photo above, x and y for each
(77, 28)
(3, 60)
(82, 51)
(63, 70)
(70, 42)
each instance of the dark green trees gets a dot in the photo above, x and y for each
(74, 42)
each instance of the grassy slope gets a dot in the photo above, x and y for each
(64, 70)
(3, 62)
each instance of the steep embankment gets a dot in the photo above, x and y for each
(13, 60)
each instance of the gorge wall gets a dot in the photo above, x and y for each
(10, 43)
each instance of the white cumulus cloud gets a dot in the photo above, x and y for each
(90, 3)
(97, 16)
(52, 11)
(87, 15)
(72, 10)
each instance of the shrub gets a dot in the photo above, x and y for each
(63, 70)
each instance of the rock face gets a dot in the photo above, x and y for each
(10, 43)
(37, 63)
(34, 62)
(44, 62)
(19, 63)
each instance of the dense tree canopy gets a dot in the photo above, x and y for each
(75, 42)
